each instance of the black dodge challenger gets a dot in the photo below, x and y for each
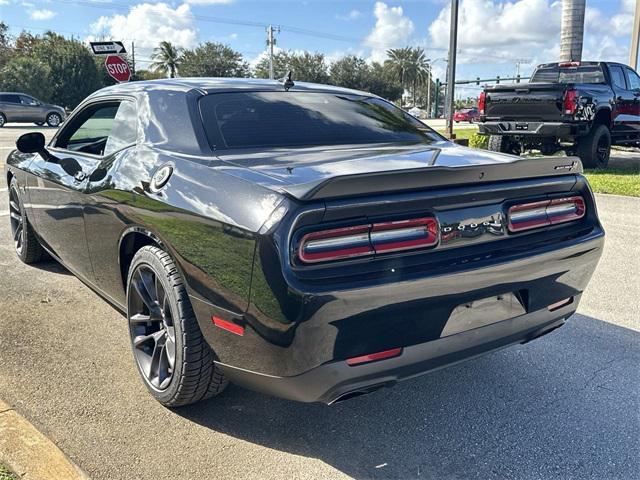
(312, 242)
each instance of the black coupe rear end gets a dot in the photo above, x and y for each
(314, 243)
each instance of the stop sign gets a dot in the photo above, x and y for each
(117, 68)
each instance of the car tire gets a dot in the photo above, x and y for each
(25, 242)
(594, 148)
(164, 331)
(502, 143)
(3, 120)
(54, 119)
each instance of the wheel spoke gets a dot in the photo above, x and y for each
(14, 205)
(170, 347)
(139, 318)
(138, 284)
(17, 235)
(15, 216)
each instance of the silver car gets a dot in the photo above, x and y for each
(19, 107)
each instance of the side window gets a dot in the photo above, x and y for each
(124, 130)
(101, 129)
(10, 98)
(634, 80)
(617, 77)
(28, 100)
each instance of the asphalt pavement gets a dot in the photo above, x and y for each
(564, 406)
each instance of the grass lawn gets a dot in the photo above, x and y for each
(624, 180)
(6, 474)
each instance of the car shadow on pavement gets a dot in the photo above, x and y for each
(52, 266)
(565, 405)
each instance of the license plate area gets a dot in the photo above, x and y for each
(480, 313)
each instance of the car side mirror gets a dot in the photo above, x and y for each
(31, 142)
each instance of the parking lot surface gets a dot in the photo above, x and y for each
(564, 406)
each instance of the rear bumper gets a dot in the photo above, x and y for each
(335, 381)
(532, 129)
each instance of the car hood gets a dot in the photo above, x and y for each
(299, 171)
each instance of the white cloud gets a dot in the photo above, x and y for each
(4, 2)
(148, 24)
(392, 30)
(209, 2)
(492, 31)
(42, 14)
(352, 15)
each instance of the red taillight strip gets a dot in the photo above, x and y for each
(372, 357)
(482, 101)
(547, 212)
(362, 240)
(335, 244)
(228, 326)
(404, 235)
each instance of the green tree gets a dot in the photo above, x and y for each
(74, 74)
(166, 59)
(5, 44)
(27, 75)
(213, 60)
(350, 72)
(142, 74)
(306, 66)
(418, 71)
(382, 82)
(399, 63)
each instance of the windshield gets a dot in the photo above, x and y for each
(282, 119)
(576, 74)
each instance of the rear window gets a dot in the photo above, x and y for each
(578, 74)
(282, 119)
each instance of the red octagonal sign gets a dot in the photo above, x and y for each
(117, 68)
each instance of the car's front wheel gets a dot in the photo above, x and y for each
(25, 242)
(175, 362)
(54, 119)
(3, 120)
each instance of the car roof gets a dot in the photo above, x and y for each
(218, 85)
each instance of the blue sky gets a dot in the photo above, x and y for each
(494, 34)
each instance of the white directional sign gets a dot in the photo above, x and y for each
(107, 48)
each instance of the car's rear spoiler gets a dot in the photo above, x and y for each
(433, 176)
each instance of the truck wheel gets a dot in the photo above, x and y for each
(594, 149)
(174, 360)
(502, 143)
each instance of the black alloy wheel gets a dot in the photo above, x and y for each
(26, 244)
(153, 334)
(3, 120)
(175, 362)
(17, 220)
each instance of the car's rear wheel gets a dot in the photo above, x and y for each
(594, 149)
(25, 242)
(3, 120)
(54, 119)
(174, 360)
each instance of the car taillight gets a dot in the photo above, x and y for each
(370, 239)
(481, 102)
(547, 212)
(570, 102)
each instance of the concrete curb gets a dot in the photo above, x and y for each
(31, 455)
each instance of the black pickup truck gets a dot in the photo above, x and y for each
(580, 107)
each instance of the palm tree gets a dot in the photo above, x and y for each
(400, 63)
(418, 71)
(166, 58)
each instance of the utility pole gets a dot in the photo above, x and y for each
(133, 58)
(271, 41)
(572, 30)
(428, 90)
(635, 38)
(451, 70)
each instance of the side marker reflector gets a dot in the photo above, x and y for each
(228, 326)
(560, 304)
(372, 357)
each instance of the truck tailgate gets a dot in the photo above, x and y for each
(533, 102)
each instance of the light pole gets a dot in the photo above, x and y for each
(451, 71)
